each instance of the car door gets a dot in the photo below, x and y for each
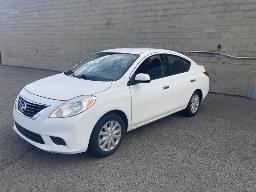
(150, 100)
(181, 77)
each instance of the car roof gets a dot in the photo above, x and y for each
(147, 51)
(136, 50)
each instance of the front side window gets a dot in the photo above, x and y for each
(103, 66)
(176, 65)
(153, 66)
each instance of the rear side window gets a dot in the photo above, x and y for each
(153, 66)
(176, 65)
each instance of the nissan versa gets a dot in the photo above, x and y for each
(92, 105)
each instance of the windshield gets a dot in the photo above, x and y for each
(103, 66)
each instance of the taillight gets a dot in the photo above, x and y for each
(206, 73)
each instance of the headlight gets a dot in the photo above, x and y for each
(73, 106)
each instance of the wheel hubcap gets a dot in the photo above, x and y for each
(195, 101)
(109, 136)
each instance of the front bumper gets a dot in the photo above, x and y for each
(75, 131)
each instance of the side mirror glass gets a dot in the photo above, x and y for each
(142, 78)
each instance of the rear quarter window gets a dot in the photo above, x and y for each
(176, 65)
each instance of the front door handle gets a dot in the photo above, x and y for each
(192, 80)
(165, 87)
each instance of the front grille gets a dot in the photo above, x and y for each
(30, 135)
(29, 108)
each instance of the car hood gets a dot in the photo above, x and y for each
(63, 87)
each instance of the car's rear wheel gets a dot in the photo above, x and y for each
(107, 135)
(193, 105)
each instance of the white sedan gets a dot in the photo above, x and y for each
(92, 105)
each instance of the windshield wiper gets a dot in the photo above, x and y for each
(86, 77)
(93, 78)
(69, 72)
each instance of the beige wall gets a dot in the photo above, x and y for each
(55, 34)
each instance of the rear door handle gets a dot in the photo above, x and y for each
(165, 87)
(192, 80)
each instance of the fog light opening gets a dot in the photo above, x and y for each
(58, 140)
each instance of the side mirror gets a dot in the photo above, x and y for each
(142, 78)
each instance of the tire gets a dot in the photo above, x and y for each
(193, 105)
(105, 141)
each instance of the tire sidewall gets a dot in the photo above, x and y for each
(94, 145)
(188, 109)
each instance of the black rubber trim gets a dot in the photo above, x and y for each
(29, 134)
(58, 140)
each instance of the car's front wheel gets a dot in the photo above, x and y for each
(193, 105)
(107, 135)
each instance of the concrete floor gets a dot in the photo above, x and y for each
(214, 151)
